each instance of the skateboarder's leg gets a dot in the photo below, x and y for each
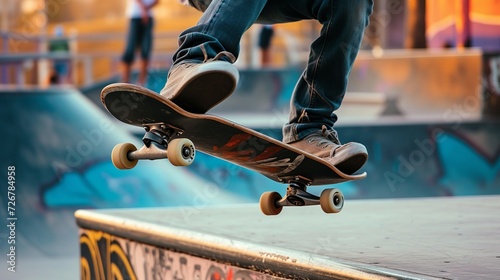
(203, 62)
(207, 50)
(219, 30)
(321, 88)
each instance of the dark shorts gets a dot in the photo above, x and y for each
(140, 36)
(265, 36)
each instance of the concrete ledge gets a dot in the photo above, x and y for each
(410, 238)
(267, 259)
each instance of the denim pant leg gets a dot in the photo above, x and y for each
(321, 87)
(219, 29)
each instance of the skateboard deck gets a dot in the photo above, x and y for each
(218, 137)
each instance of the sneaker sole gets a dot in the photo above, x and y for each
(352, 164)
(210, 87)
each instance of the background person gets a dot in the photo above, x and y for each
(140, 36)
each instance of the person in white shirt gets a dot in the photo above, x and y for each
(140, 36)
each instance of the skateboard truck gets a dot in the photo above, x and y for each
(158, 144)
(152, 137)
(330, 200)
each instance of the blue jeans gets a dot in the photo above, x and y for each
(321, 88)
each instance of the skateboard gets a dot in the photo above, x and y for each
(171, 132)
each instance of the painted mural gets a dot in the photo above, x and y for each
(104, 256)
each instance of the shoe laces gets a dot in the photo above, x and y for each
(327, 137)
(218, 56)
(187, 65)
(222, 54)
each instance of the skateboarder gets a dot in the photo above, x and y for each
(206, 53)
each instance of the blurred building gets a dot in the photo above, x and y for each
(464, 23)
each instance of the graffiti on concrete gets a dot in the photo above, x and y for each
(102, 257)
(105, 256)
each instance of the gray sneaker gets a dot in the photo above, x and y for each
(348, 158)
(197, 87)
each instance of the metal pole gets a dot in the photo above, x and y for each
(462, 23)
(5, 15)
(5, 37)
(43, 64)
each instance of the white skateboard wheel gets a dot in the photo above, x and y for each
(119, 156)
(268, 203)
(181, 152)
(331, 200)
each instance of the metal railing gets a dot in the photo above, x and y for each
(25, 59)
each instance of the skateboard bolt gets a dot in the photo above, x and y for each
(336, 200)
(186, 152)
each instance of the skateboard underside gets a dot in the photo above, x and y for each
(221, 138)
(173, 133)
